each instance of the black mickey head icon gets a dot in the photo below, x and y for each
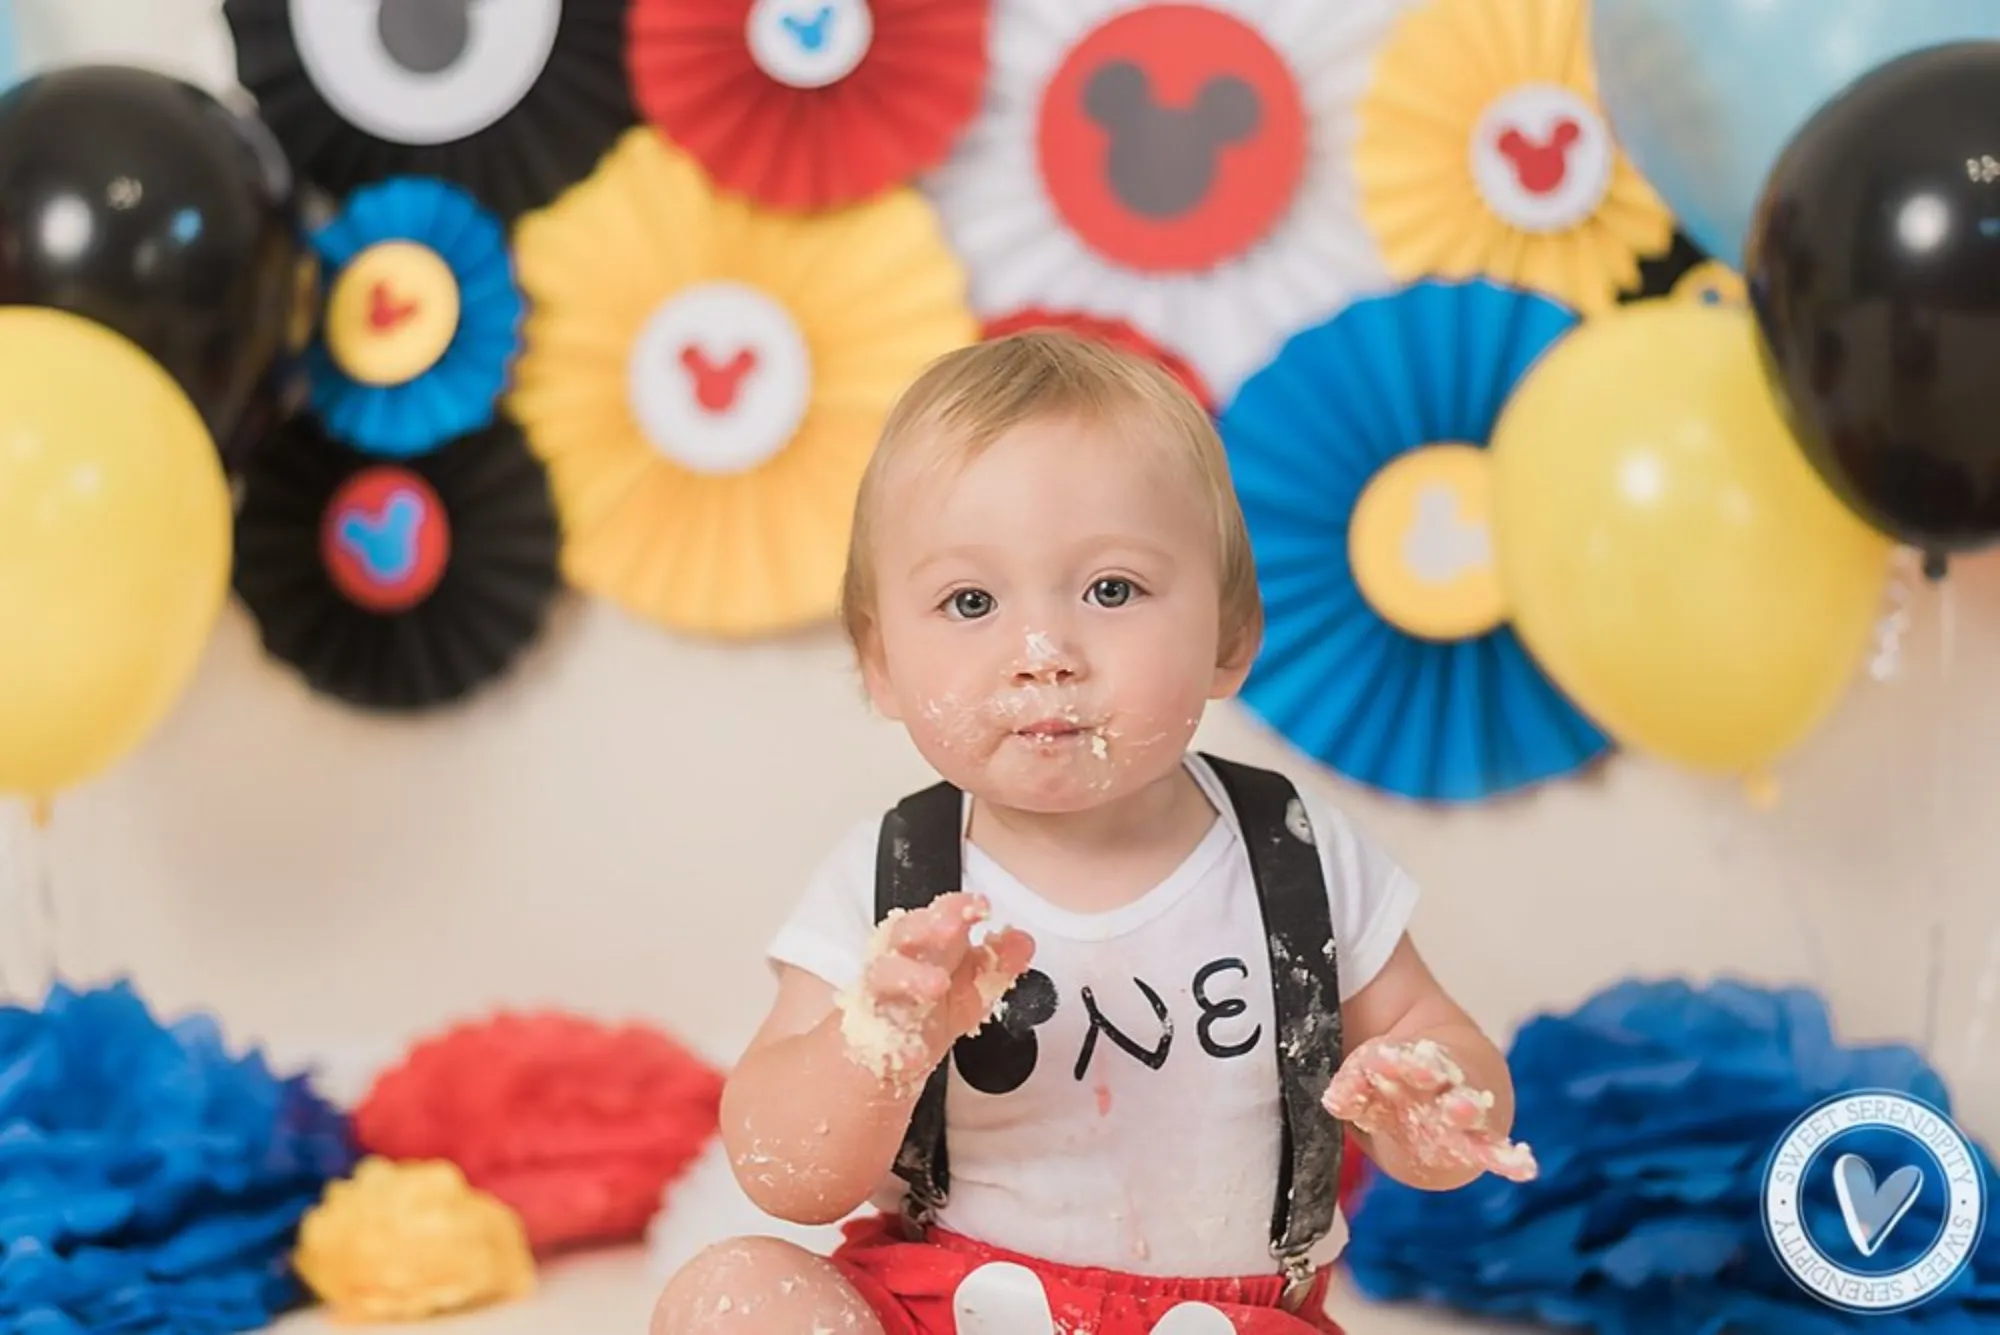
(1163, 159)
(1000, 1057)
(425, 36)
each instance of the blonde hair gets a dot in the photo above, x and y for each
(969, 398)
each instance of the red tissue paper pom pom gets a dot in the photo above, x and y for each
(578, 1125)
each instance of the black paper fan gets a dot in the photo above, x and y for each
(514, 100)
(397, 584)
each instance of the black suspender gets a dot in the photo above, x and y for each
(1305, 988)
(918, 857)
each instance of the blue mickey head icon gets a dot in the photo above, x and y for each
(811, 33)
(385, 544)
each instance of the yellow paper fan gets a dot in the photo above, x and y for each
(1483, 151)
(706, 379)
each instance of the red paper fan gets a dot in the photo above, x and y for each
(809, 104)
(1114, 332)
(577, 1125)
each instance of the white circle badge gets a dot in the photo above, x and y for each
(809, 43)
(424, 71)
(1542, 158)
(720, 378)
(1901, 1196)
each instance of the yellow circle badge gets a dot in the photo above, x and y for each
(392, 313)
(1421, 548)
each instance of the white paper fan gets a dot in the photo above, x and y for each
(1291, 255)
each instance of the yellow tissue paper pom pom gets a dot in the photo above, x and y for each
(405, 1241)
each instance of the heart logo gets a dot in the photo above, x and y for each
(385, 312)
(1870, 1210)
(1002, 1298)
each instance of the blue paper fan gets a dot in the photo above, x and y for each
(1431, 719)
(458, 393)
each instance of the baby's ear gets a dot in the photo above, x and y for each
(875, 675)
(1234, 667)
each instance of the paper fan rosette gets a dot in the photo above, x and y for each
(515, 100)
(1180, 167)
(810, 104)
(706, 380)
(1116, 333)
(1360, 457)
(421, 320)
(397, 585)
(1483, 151)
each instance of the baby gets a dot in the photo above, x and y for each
(1073, 1019)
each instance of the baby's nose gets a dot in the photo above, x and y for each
(1045, 657)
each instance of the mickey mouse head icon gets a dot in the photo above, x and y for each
(1171, 138)
(1163, 159)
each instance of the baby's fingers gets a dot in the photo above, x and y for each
(1506, 1158)
(898, 980)
(1013, 950)
(1351, 1095)
(939, 933)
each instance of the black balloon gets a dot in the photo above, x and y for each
(1874, 270)
(141, 202)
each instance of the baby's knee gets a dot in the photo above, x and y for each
(736, 1287)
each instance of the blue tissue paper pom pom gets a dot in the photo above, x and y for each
(149, 1181)
(1654, 1110)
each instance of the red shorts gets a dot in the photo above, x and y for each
(913, 1286)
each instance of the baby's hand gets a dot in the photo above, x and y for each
(924, 985)
(1415, 1096)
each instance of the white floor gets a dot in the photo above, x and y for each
(611, 1293)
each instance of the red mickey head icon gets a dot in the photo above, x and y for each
(1172, 138)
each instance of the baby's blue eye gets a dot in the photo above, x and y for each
(1112, 592)
(971, 604)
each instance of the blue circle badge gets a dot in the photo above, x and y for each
(1874, 1201)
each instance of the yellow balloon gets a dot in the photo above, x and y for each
(1671, 559)
(114, 547)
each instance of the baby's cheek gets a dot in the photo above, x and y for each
(947, 724)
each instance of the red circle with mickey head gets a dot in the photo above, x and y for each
(1172, 137)
(385, 540)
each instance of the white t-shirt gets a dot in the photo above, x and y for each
(1146, 1140)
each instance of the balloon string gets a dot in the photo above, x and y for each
(1940, 826)
(45, 894)
(27, 896)
(1984, 995)
(13, 885)
(1885, 661)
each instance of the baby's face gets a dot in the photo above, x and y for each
(1048, 617)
